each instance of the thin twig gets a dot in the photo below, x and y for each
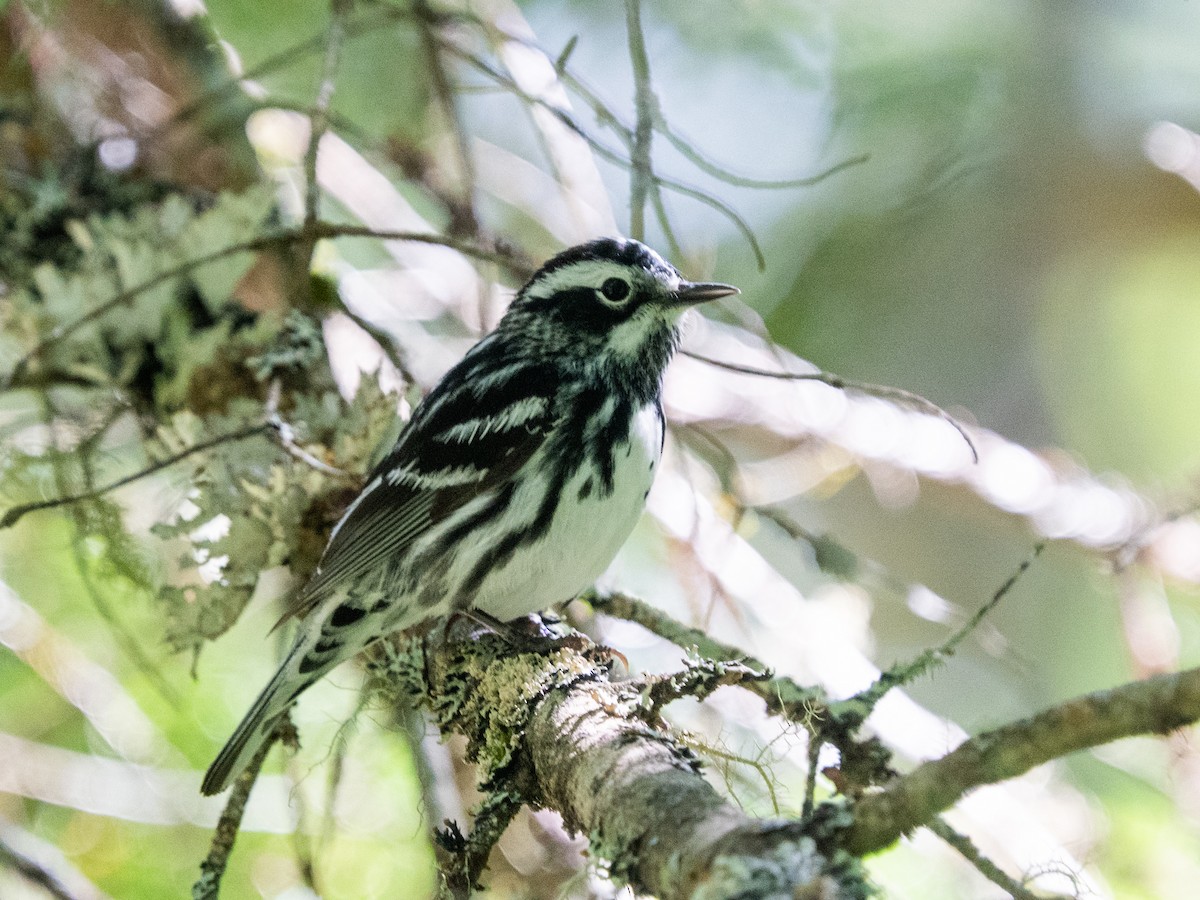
(208, 885)
(664, 222)
(607, 153)
(335, 35)
(428, 23)
(882, 391)
(122, 297)
(783, 697)
(607, 117)
(707, 166)
(13, 515)
(641, 172)
(281, 60)
(863, 702)
(1155, 705)
(498, 255)
(975, 857)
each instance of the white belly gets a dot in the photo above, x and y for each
(584, 535)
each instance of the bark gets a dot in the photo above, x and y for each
(1154, 706)
(549, 727)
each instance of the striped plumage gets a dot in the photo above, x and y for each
(516, 480)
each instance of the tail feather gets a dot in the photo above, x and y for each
(256, 726)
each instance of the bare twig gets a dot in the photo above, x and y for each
(975, 857)
(1154, 706)
(664, 222)
(882, 391)
(707, 166)
(784, 697)
(607, 153)
(208, 885)
(463, 210)
(281, 60)
(14, 514)
(122, 297)
(335, 35)
(860, 705)
(499, 255)
(641, 170)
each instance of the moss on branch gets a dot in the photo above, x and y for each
(550, 728)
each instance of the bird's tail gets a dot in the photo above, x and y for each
(258, 724)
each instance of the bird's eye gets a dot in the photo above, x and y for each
(615, 290)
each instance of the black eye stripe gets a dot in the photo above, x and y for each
(615, 289)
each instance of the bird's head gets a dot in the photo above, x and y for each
(610, 305)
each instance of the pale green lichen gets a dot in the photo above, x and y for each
(775, 876)
(397, 669)
(502, 695)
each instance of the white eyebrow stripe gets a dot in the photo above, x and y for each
(589, 273)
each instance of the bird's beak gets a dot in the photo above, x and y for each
(690, 293)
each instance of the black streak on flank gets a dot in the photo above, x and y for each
(346, 615)
(568, 455)
(611, 435)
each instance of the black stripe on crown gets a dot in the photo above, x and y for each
(619, 250)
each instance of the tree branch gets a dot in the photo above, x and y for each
(319, 119)
(882, 391)
(546, 725)
(1154, 706)
(641, 166)
(985, 866)
(804, 705)
(208, 885)
(312, 232)
(16, 513)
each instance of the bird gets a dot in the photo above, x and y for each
(513, 484)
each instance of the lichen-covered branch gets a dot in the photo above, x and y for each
(1154, 706)
(548, 727)
(208, 885)
(803, 705)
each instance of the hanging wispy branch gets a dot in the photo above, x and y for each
(882, 391)
(607, 153)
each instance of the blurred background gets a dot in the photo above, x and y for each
(1015, 236)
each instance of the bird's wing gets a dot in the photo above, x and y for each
(470, 435)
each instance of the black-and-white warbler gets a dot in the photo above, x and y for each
(516, 480)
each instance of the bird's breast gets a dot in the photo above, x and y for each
(600, 504)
